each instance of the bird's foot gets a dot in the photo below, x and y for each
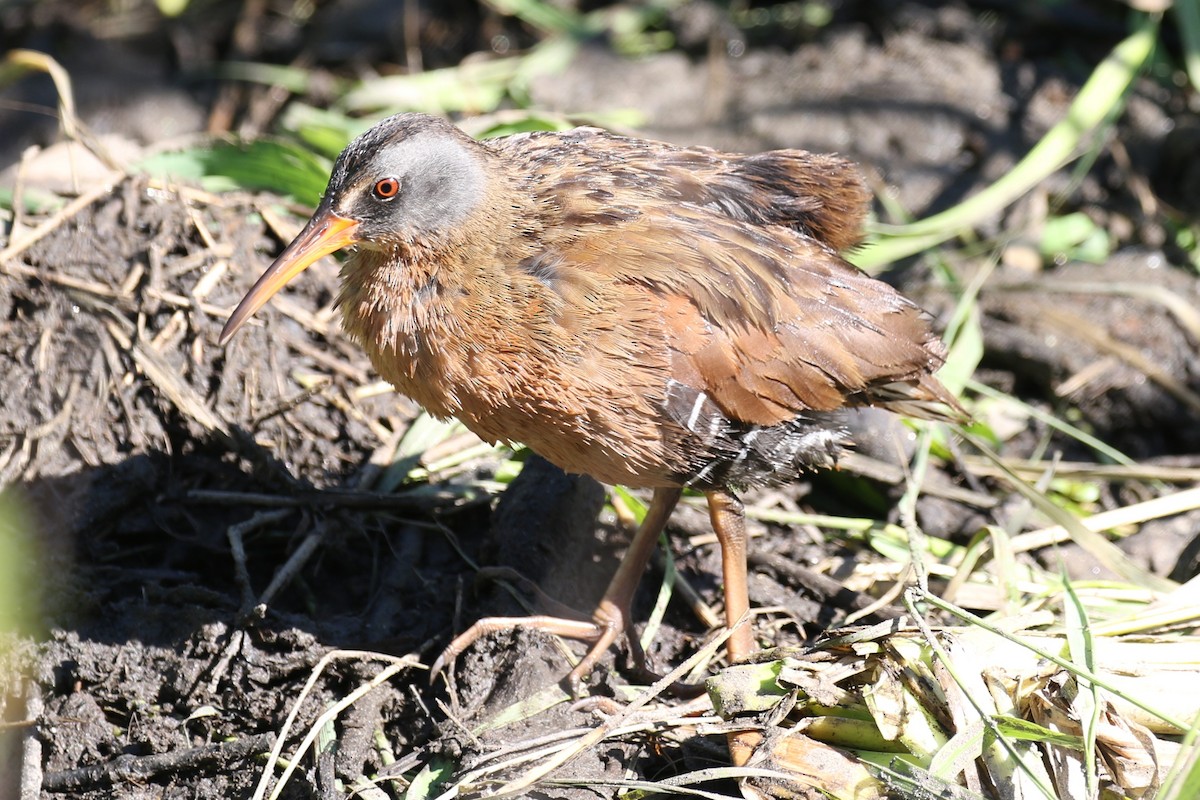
(608, 624)
(583, 630)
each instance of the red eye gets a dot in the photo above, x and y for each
(387, 188)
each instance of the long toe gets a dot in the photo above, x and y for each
(584, 630)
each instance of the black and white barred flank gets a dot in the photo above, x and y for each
(733, 454)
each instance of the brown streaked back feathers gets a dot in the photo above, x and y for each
(612, 176)
(740, 252)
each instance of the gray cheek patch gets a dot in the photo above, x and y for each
(441, 182)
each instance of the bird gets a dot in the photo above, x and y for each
(657, 316)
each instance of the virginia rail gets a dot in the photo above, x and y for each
(650, 315)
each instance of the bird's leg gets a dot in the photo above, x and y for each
(611, 617)
(729, 524)
(612, 614)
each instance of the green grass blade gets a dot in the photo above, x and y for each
(966, 348)
(908, 780)
(1026, 731)
(268, 164)
(1079, 642)
(959, 753)
(294, 79)
(431, 779)
(1183, 778)
(1102, 448)
(547, 17)
(423, 433)
(327, 132)
(1102, 549)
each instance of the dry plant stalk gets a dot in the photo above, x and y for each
(885, 712)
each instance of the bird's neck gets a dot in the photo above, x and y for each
(417, 307)
(390, 297)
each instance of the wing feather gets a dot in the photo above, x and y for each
(769, 324)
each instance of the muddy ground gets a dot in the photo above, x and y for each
(190, 528)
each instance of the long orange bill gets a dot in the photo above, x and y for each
(325, 233)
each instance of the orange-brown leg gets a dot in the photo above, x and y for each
(611, 617)
(612, 614)
(729, 524)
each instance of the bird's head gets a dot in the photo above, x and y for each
(410, 178)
